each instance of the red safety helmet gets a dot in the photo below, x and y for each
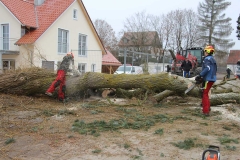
(70, 54)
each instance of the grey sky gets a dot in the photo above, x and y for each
(115, 12)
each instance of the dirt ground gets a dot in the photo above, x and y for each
(41, 128)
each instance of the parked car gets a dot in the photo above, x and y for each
(129, 70)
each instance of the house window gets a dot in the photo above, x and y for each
(8, 65)
(49, 65)
(74, 14)
(63, 36)
(5, 36)
(82, 67)
(82, 45)
(93, 68)
(23, 31)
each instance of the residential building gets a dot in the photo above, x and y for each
(147, 42)
(39, 33)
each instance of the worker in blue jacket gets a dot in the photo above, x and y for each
(208, 74)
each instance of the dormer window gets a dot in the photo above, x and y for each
(23, 31)
(75, 14)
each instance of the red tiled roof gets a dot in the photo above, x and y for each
(46, 14)
(23, 11)
(109, 59)
(233, 57)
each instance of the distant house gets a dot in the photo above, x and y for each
(147, 42)
(233, 57)
(40, 32)
(109, 63)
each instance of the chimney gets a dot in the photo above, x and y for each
(38, 2)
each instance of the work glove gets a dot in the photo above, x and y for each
(198, 79)
(76, 73)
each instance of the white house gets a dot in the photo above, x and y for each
(38, 33)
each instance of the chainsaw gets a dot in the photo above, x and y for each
(198, 80)
(212, 153)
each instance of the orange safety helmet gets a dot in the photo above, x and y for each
(209, 49)
(70, 54)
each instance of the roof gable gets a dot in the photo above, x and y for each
(47, 13)
(23, 10)
(109, 59)
(233, 57)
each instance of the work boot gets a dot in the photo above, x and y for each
(206, 114)
(63, 100)
(48, 93)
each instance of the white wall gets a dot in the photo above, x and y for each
(47, 44)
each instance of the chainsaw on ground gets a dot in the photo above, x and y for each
(198, 80)
(212, 153)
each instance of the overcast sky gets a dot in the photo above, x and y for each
(115, 12)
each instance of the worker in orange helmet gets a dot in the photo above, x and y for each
(67, 62)
(208, 75)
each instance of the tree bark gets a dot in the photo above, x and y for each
(36, 81)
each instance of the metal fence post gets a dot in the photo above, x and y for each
(1, 64)
(125, 55)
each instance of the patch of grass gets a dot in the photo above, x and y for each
(130, 121)
(48, 113)
(97, 151)
(204, 124)
(34, 129)
(230, 148)
(139, 152)
(160, 105)
(66, 112)
(10, 140)
(225, 139)
(126, 145)
(94, 112)
(232, 109)
(179, 131)
(205, 134)
(159, 131)
(162, 155)
(227, 128)
(198, 112)
(186, 144)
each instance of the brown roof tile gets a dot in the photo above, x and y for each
(233, 57)
(109, 59)
(47, 13)
(23, 11)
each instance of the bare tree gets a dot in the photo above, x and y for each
(214, 27)
(106, 34)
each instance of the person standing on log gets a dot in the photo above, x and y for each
(66, 64)
(208, 74)
(186, 67)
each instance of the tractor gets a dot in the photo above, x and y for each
(195, 56)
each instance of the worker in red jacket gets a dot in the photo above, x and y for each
(61, 77)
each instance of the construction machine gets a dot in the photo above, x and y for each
(195, 56)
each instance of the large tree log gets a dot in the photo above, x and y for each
(36, 81)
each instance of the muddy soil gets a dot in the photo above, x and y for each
(41, 128)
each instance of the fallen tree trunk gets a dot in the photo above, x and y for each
(36, 81)
(218, 99)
